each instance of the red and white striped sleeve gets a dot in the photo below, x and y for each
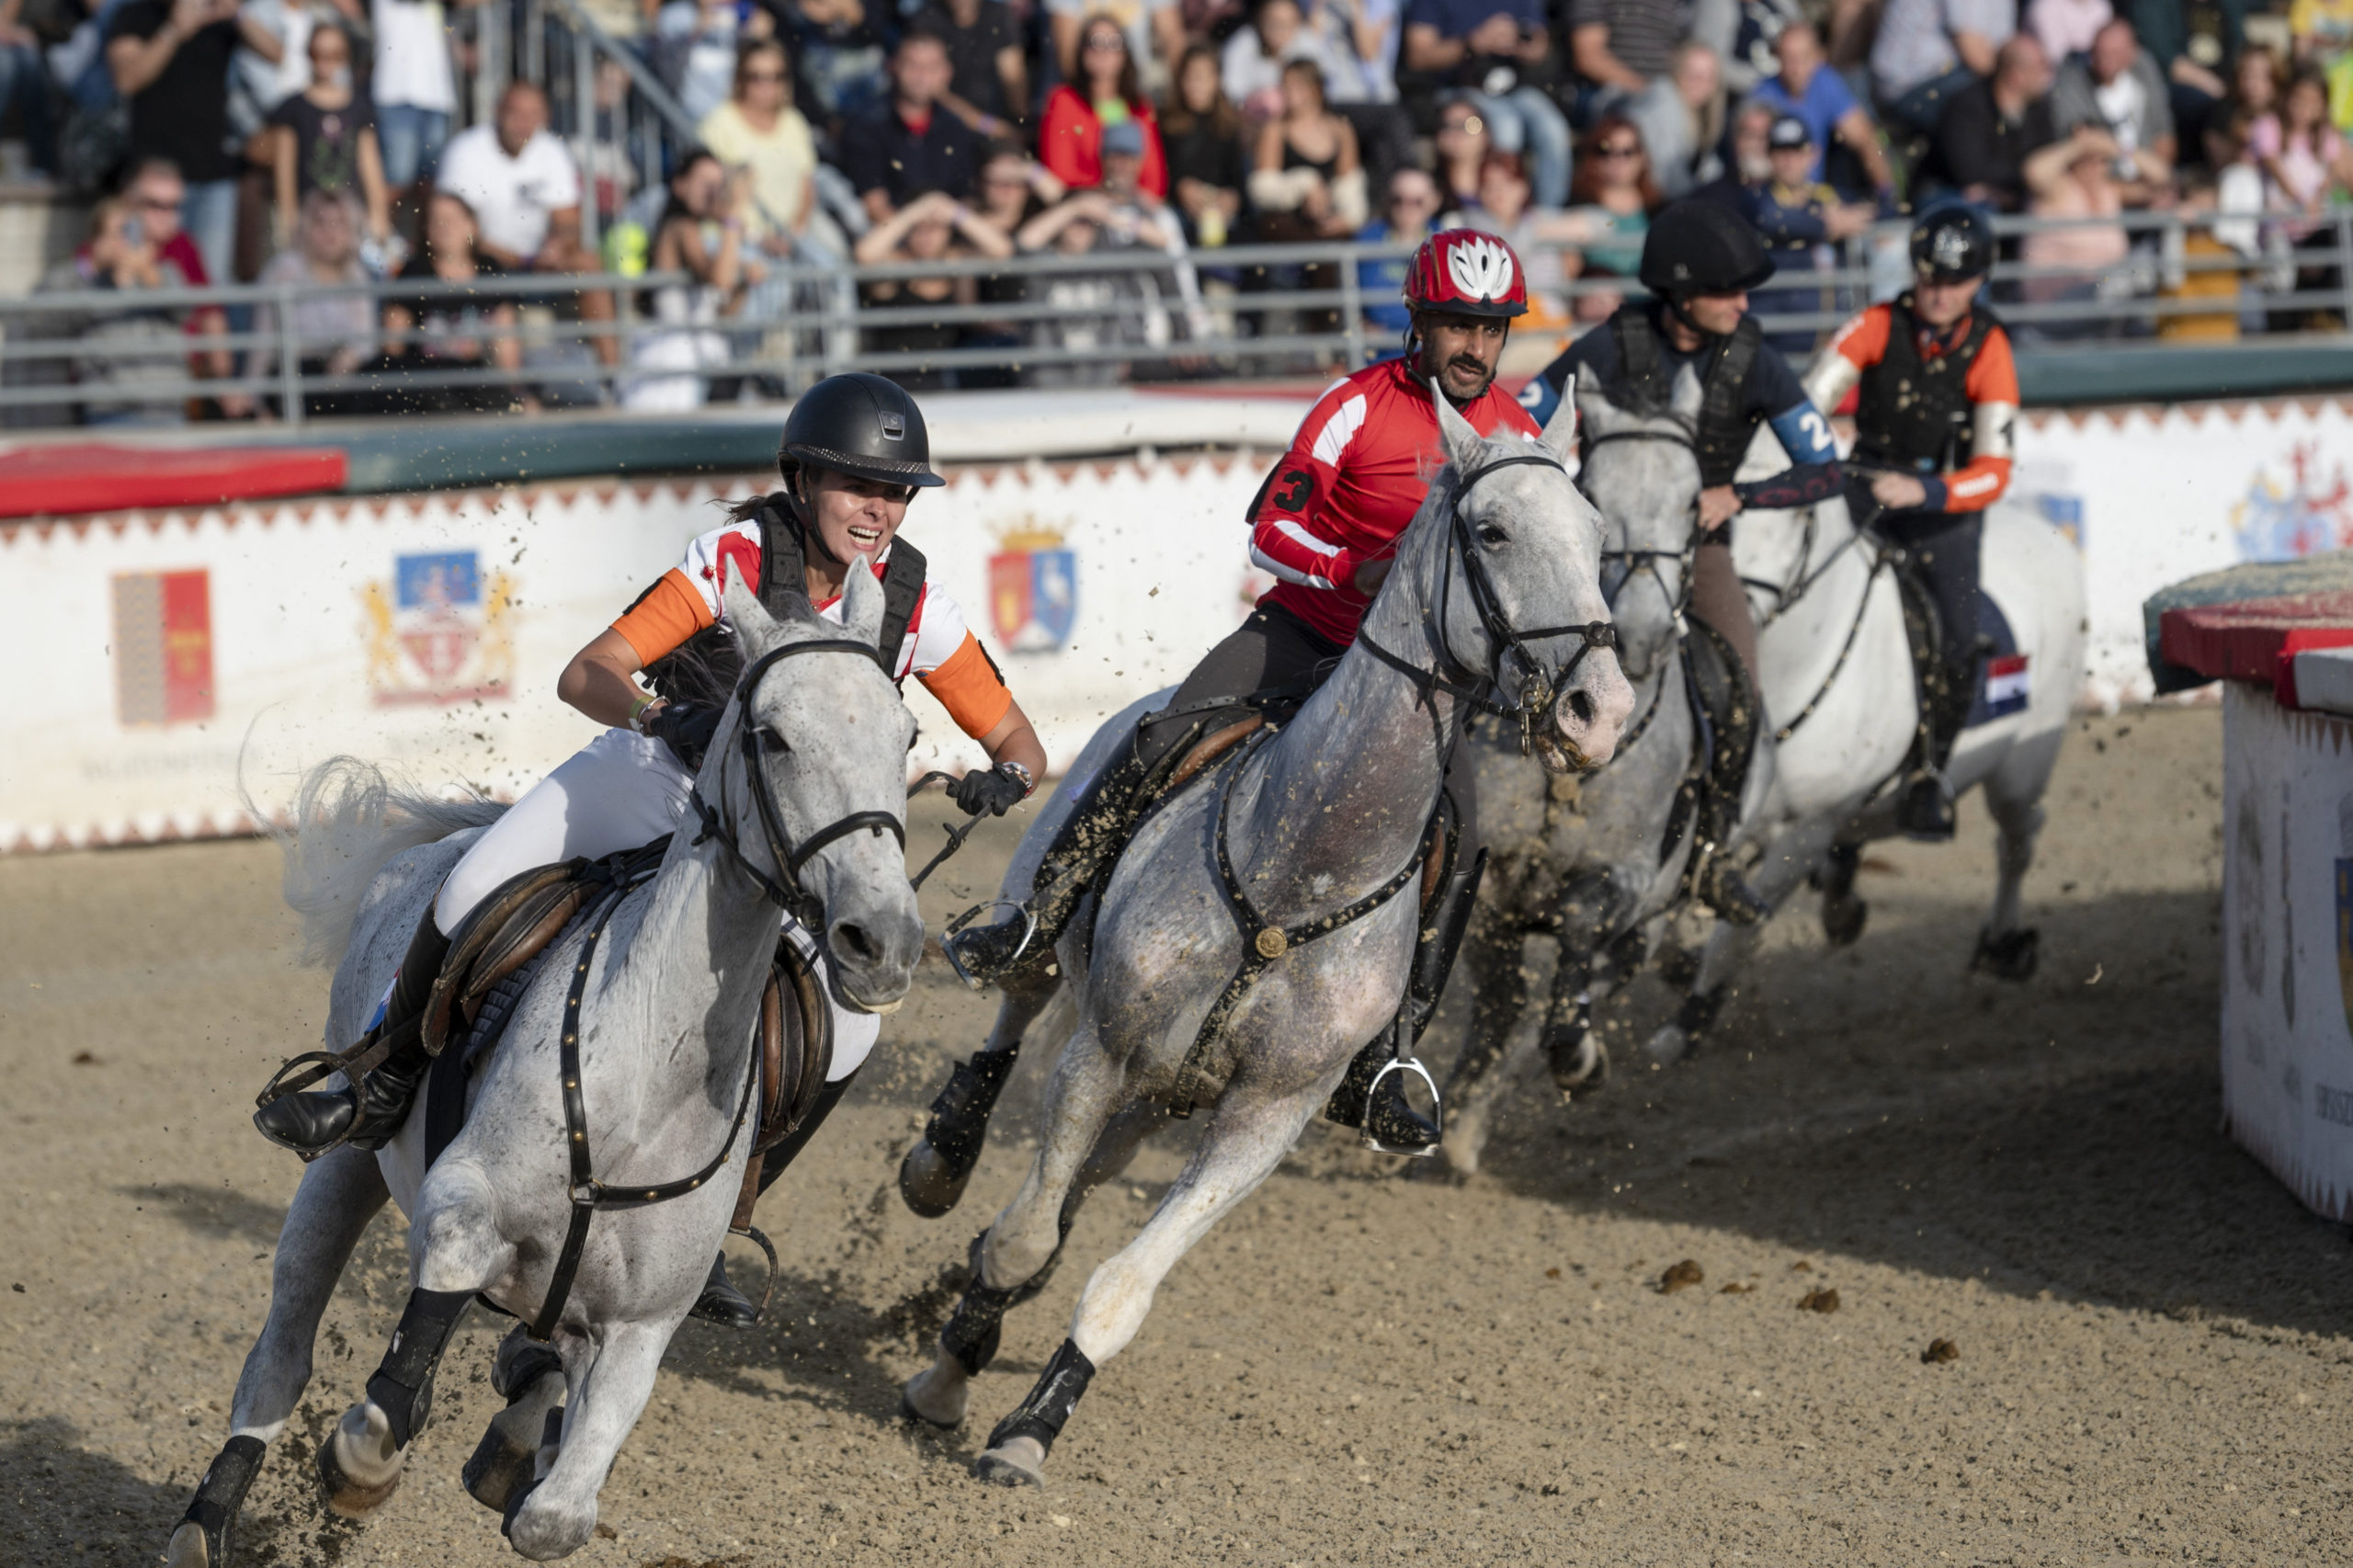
(1286, 535)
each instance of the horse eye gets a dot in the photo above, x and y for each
(1490, 534)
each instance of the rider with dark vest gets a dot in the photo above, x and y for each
(1934, 434)
(1699, 261)
(853, 455)
(1326, 523)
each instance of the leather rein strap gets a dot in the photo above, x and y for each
(782, 889)
(587, 1193)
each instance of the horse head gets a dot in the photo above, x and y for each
(1642, 474)
(824, 742)
(1528, 549)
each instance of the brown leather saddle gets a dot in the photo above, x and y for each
(518, 923)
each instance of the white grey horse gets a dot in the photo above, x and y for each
(667, 1021)
(1839, 688)
(1322, 817)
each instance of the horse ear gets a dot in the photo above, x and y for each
(862, 603)
(1464, 447)
(754, 629)
(1560, 437)
(1686, 400)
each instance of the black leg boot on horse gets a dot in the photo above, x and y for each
(1942, 566)
(1926, 810)
(367, 1114)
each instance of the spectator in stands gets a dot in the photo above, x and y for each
(522, 194)
(1200, 136)
(1539, 238)
(1609, 208)
(413, 86)
(1681, 117)
(933, 227)
(1252, 69)
(988, 74)
(335, 333)
(1408, 216)
(2120, 88)
(324, 139)
(695, 46)
(2303, 158)
(758, 131)
(1013, 188)
(170, 61)
(1497, 52)
(1750, 159)
(2075, 180)
(2319, 31)
(1929, 51)
(1306, 180)
(2255, 82)
(1621, 45)
(25, 87)
(1742, 35)
(1362, 37)
(1807, 87)
(1800, 218)
(910, 144)
(2204, 256)
(1153, 31)
(2066, 28)
(136, 348)
(1462, 147)
(435, 330)
(2196, 51)
(157, 197)
(1107, 92)
(702, 233)
(841, 59)
(1991, 130)
(270, 63)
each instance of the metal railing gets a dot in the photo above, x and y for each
(1122, 314)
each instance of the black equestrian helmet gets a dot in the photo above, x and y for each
(854, 423)
(1952, 242)
(1700, 248)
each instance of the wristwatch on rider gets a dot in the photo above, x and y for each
(642, 710)
(1014, 770)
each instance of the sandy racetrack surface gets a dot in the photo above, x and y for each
(2153, 1356)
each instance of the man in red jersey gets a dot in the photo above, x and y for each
(1933, 443)
(1326, 523)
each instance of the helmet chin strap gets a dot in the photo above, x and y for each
(804, 517)
(1676, 306)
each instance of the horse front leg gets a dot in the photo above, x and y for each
(1790, 854)
(1246, 1138)
(1493, 1052)
(1088, 1091)
(933, 1175)
(2008, 947)
(611, 1381)
(337, 1197)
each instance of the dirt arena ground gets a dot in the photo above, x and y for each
(2152, 1348)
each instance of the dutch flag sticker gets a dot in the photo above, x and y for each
(2005, 685)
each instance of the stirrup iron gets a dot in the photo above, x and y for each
(1373, 1141)
(947, 947)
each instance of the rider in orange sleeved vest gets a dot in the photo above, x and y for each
(1325, 524)
(1934, 442)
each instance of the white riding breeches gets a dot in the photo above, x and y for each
(619, 791)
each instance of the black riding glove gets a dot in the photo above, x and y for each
(686, 729)
(992, 791)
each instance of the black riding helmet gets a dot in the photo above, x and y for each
(1952, 242)
(854, 423)
(1699, 247)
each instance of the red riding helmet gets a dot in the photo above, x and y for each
(1469, 273)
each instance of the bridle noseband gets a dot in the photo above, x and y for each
(1543, 685)
(783, 889)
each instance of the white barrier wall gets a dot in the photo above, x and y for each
(427, 631)
(2287, 943)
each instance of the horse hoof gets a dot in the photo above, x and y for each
(1670, 1045)
(1021, 1463)
(544, 1533)
(1577, 1061)
(190, 1547)
(947, 1404)
(1843, 920)
(929, 1184)
(907, 1411)
(500, 1466)
(2013, 957)
(359, 1465)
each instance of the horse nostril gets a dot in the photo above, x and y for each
(853, 943)
(1581, 707)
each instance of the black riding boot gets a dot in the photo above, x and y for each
(722, 1303)
(1096, 828)
(1384, 1115)
(1719, 883)
(367, 1115)
(1926, 810)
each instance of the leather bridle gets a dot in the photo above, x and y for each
(782, 887)
(1543, 685)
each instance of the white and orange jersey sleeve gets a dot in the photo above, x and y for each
(1992, 386)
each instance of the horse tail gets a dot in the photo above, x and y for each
(347, 821)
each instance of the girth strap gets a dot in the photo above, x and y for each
(1262, 941)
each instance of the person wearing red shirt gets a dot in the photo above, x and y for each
(1934, 445)
(1107, 92)
(1326, 523)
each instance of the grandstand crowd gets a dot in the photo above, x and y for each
(321, 141)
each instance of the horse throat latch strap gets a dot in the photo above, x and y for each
(1263, 941)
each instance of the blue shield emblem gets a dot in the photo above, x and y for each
(1033, 597)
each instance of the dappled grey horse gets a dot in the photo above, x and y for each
(662, 988)
(1246, 945)
(1841, 696)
